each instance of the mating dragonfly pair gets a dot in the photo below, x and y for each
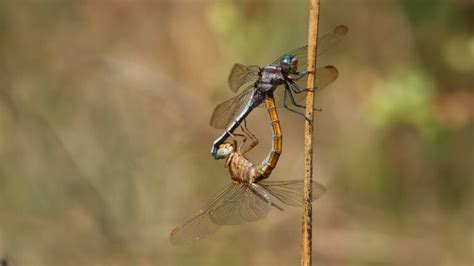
(250, 197)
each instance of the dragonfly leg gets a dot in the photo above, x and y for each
(234, 138)
(293, 101)
(293, 86)
(233, 135)
(296, 89)
(244, 137)
(300, 75)
(247, 131)
(244, 140)
(285, 104)
(250, 135)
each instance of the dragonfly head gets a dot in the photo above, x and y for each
(225, 149)
(289, 64)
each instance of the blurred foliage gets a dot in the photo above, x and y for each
(104, 136)
(393, 104)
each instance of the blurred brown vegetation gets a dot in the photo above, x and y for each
(104, 135)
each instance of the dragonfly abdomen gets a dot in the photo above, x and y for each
(256, 100)
(266, 166)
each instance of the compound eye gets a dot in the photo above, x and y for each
(221, 153)
(294, 64)
(224, 150)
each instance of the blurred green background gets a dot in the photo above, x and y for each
(105, 137)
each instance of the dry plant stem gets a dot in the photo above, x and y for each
(306, 244)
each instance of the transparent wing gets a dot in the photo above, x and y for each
(227, 111)
(329, 39)
(325, 42)
(249, 204)
(324, 76)
(195, 229)
(201, 225)
(290, 192)
(241, 75)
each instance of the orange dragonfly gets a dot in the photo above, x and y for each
(249, 197)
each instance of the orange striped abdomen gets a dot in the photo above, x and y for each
(266, 166)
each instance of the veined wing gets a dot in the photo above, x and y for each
(227, 111)
(201, 225)
(324, 76)
(196, 228)
(240, 75)
(325, 42)
(248, 204)
(290, 192)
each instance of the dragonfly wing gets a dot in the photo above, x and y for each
(227, 111)
(325, 42)
(330, 38)
(195, 229)
(241, 75)
(249, 204)
(290, 192)
(324, 76)
(201, 225)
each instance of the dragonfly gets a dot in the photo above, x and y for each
(249, 197)
(253, 83)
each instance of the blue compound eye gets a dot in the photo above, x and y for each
(286, 60)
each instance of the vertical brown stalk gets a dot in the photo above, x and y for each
(306, 244)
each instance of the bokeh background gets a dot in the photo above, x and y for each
(105, 136)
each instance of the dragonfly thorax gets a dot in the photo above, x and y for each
(241, 169)
(271, 78)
